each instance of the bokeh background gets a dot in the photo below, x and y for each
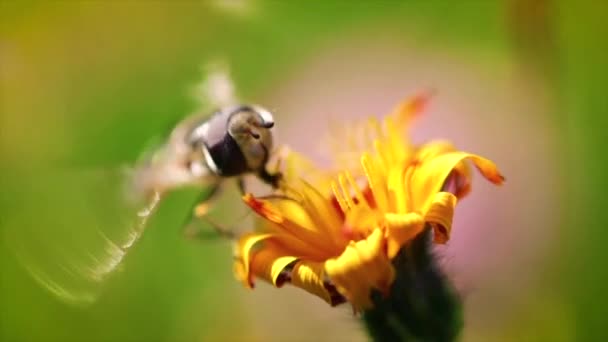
(86, 85)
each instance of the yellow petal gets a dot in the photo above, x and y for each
(298, 167)
(397, 194)
(429, 175)
(310, 276)
(360, 218)
(238, 268)
(362, 266)
(433, 149)
(376, 181)
(269, 262)
(243, 256)
(324, 216)
(352, 184)
(375, 130)
(396, 141)
(440, 215)
(340, 198)
(289, 218)
(372, 131)
(400, 229)
(346, 193)
(300, 248)
(460, 178)
(360, 222)
(384, 153)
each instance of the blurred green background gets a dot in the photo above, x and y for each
(85, 85)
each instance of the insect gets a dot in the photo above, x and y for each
(201, 151)
(204, 151)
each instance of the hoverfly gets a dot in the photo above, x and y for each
(202, 151)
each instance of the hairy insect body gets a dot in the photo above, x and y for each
(233, 142)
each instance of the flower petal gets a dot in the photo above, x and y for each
(401, 228)
(397, 194)
(359, 217)
(376, 181)
(409, 108)
(324, 216)
(440, 215)
(362, 266)
(430, 175)
(384, 153)
(298, 167)
(269, 263)
(360, 222)
(243, 252)
(310, 276)
(290, 220)
(433, 149)
(335, 239)
(395, 141)
(263, 208)
(459, 180)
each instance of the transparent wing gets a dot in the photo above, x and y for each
(74, 230)
(216, 89)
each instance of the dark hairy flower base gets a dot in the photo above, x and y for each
(422, 305)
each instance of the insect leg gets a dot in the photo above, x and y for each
(218, 229)
(240, 182)
(272, 179)
(199, 209)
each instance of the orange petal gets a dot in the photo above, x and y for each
(362, 266)
(408, 109)
(263, 208)
(400, 229)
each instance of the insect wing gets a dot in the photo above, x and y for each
(79, 233)
(81, 226)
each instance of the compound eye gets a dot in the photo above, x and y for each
(268, 125)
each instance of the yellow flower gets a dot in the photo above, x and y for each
(335, 237)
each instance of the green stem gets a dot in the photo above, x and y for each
(422, 305)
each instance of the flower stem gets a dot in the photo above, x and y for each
(422, 305)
